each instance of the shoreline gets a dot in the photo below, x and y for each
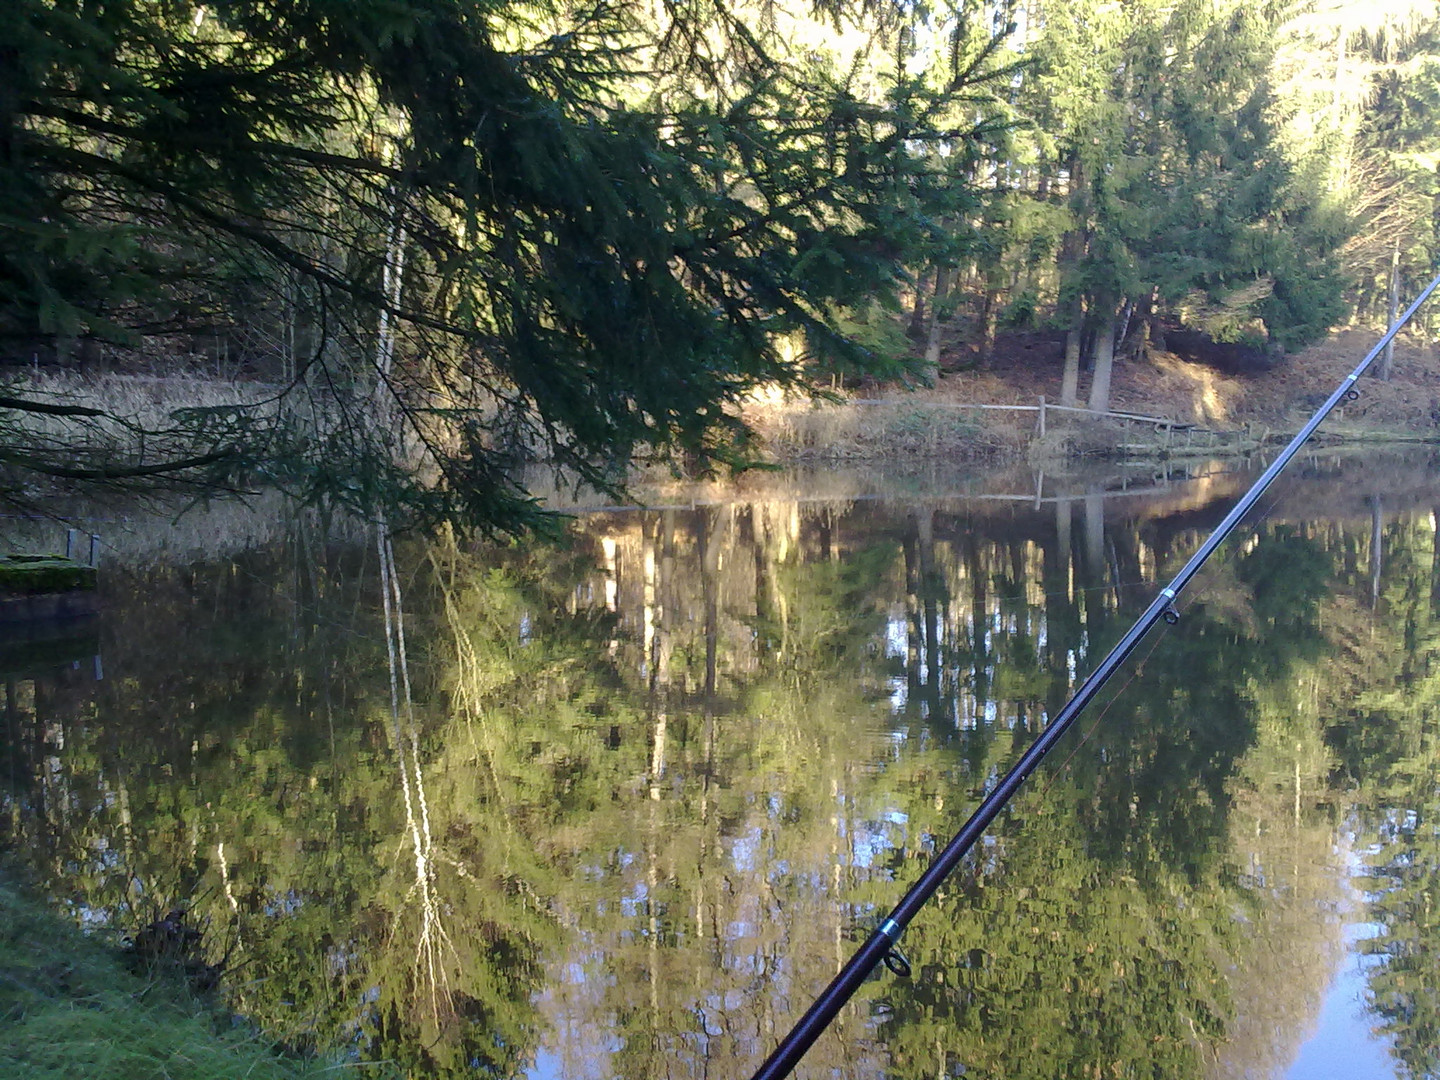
(1005, 407)
(903, 429)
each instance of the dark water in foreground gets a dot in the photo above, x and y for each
(653, 784)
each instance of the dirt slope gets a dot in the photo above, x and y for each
(1024, 367)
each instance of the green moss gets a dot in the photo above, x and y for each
(70, 1009)
(26, 574)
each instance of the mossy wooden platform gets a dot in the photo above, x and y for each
(45, 587)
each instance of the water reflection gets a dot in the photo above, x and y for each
(656, 780)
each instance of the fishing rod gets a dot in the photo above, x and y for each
(882, 943)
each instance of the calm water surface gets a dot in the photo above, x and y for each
(650, 786)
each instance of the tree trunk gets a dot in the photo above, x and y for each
(914, 621)
(932, 337)
(1070, 376)
(1072, 250)
(1095, 562)
(918, 321)
(979, 618)
(1377, 549)
(1093, 565)
(931, 584)
(1388, 356)
(1156, 335)
(989, 315)
(710, 541)
(1144, 325)
(1060, 613)
(391, 280)
(1435, 567)
(1104, 358)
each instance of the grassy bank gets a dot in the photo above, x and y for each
(907, 427)
(71, 1010)
(916, 428)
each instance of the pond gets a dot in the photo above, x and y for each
(621, 804)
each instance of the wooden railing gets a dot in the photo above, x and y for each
(1169, 427)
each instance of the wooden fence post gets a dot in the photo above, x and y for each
(1042, 416)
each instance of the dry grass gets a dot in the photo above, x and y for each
(143, 400)
(136, 526)
(105, 428)
(911, 429)
(907, 428)
(136, 533)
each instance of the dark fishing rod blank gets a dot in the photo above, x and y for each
(881, 944)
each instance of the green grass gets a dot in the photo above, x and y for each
(70, 1008)
(26, 574)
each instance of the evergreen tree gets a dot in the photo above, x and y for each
(1163, 144)
(508, 230)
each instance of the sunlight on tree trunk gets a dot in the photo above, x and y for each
(1070, 376)
(1104, 358)
(649, 613)
(392, 275)
(226, 886)
(1387, 358)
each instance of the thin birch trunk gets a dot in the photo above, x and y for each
(1389, 355)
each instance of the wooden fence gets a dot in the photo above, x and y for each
(1208, 437)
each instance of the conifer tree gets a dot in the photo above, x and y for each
(1183, 201)
(608, 227)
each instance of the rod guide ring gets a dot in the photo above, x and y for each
(898, 965)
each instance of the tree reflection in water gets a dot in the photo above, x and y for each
(674, 766)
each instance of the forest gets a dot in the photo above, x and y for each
(430, 240)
